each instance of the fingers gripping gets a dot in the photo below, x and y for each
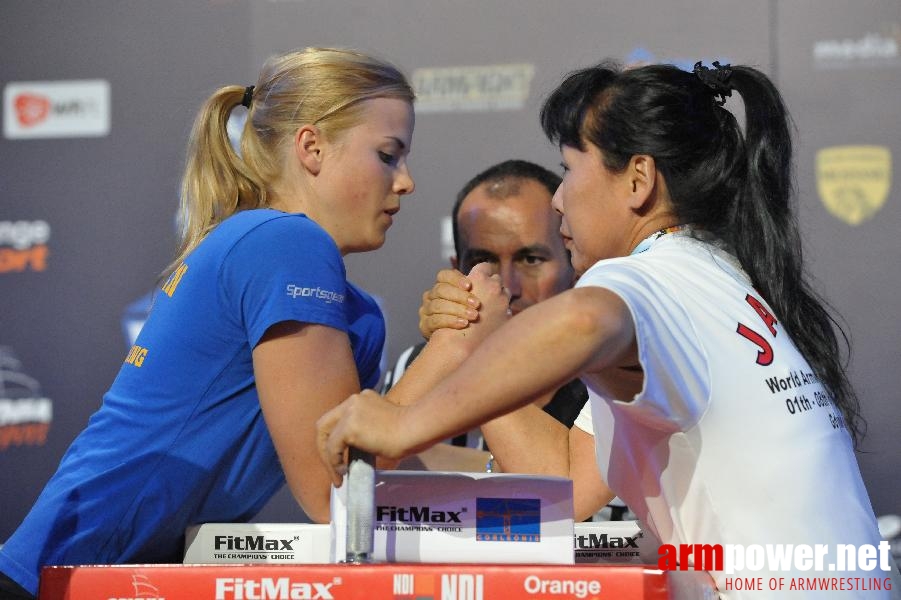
(448, 304)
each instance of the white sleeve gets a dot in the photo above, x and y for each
(584, 421)
(676, 387)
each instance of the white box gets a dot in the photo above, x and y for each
(617, 542)
(449, 517)
(265, 543)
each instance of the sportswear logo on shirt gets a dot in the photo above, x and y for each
(174, 279)
(329, 296)
(136, 356)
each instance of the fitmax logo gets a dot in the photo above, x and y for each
(251, 542)
(268, 588)
(417, 514)
(594, 542)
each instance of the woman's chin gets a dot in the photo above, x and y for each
(368, 245)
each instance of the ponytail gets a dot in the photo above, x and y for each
(216, 182)
(765, 236)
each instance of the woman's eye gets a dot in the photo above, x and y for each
(388, 159)
(564, 168)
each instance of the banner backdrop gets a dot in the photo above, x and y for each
(98, 98)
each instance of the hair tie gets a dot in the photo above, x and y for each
(717, 79)
(248, 96)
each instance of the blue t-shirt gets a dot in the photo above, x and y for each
(180, 437)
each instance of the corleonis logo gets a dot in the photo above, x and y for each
(854, 181)
(56, 109)
(25, 414)
(31, 109)
(23, 246)
(508, 519)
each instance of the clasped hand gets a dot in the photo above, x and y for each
(474, 306)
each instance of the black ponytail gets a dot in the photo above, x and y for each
(765, 236)
(735, 185)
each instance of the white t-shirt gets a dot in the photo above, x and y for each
(731, 440)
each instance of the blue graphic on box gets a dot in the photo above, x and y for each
(508, 519)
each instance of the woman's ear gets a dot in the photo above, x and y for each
(308, 147)
(642, 177)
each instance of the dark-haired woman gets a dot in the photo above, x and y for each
(721, 412)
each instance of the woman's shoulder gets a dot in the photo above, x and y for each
(272, 226)
(672, 251)
(270, 241)
(248, 220)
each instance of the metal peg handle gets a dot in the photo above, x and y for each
(360, 506)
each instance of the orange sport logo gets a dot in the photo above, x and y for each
(24, 246)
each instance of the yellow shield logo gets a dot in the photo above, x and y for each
(854, 181)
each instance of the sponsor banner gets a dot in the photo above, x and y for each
(873, 49)
(56, 109)
(24, 246)
(472, 88)
(620, 542)
(367, 581)
(854, 181)
(266, 543)
(624, 542)
(464, 517)
(25, 414)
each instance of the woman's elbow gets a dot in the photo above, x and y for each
(318, 515)
(316, 506)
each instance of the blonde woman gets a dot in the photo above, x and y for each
(255, 331)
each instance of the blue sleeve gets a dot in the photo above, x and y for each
(367, 335)
(285, 269)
